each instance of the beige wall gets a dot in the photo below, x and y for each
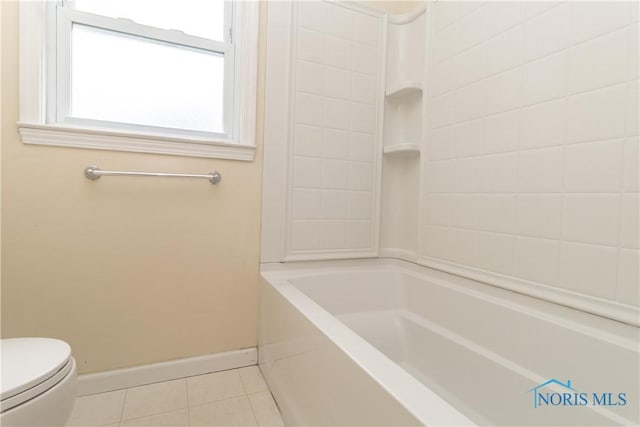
(128, 271)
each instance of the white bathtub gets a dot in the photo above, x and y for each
(385, 342)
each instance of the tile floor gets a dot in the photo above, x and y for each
(238, 397)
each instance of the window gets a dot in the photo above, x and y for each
(169, 76)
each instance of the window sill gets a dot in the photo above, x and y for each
(99, 139)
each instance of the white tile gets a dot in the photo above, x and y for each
(442, 143)
(539, 215)
(265, 410)
(468, 138)
(534, 7)
(599, 62)
(333, 235)
(339, 21)
(465, 8)
(308, 109)
(597, 115)
(629, 229)
(334, 173)
(588, 269)
(437, 241)
(336, 113)
(308, 140)
(363, 88)
(545, 79)
(471, 65)
(334, 204)
(97, 409)
(501, 133)
(304, 235)
(360, 176)
(593, 18)
(591, 219)
(359, 235)
(307, 172)
(365, 59)
(363, 118)
(311, 45)
(502, 15)
(540, 171)
(444, 76)
(505, 51)
(179, 418)
(309, 77)
(631, 165)
(339, 53)
(543, 125)
(594, 167)
(230, 412)
(216, 386)
(503, 92)
(634, 51)
(496, 252)
(445, 43)
(537, 260)
(471, 29)
(306, 204)
(362, 146)
(445, 14)
(499, 173)
(547, 32)
(252, 379)
(628, 290)
(312, 15)
(463, 210)
(443, 109)
(360, 205)
(469, 102)
(496, 212)
(633, 108)
(467, 175)
(463, 246)
(439, 209)
(155, 398)
(337, 83)
(335, 143)
(439, 176)
(366, 29)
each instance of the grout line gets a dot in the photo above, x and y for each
(186, 388)
(124, 402)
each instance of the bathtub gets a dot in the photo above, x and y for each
(390, 343)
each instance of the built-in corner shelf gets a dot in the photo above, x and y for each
(402, 89)
(401, 148)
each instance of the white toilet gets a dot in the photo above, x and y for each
(39, 382)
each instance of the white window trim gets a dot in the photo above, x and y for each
(34, 128)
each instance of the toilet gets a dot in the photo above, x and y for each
(38, 383)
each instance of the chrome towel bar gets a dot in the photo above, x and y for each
(94, 172)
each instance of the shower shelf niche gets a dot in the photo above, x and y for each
(404, 147)
(403, 138)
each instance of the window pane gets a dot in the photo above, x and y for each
(202, 18)
(122, 78)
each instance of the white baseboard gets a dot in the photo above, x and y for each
(163, 371)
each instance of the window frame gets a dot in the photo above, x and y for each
(45, 43)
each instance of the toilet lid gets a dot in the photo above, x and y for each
(27, 362)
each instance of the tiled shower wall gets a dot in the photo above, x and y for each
(532, 159)
(334, 110)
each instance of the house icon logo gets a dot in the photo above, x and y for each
(546, 398)
(556, 393)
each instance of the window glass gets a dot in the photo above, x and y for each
(129, 79)
(202, 18)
